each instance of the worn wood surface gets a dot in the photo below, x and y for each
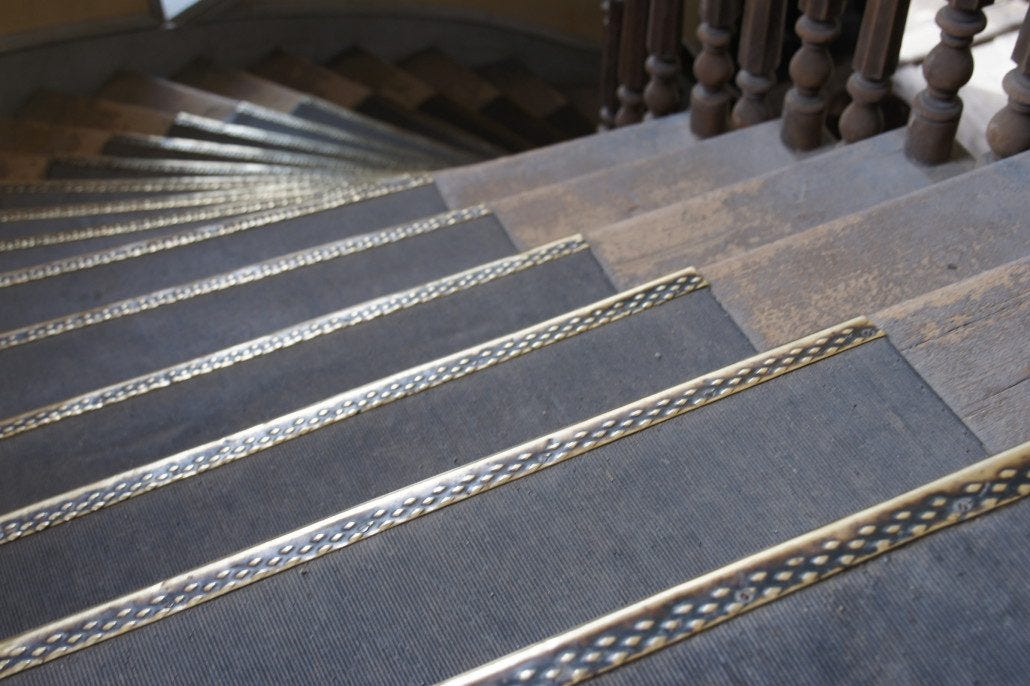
(239, 85)
(95, 113)
(167, 96)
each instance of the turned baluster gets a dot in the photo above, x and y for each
(876, 58)
(710, 100)
(662, 94)
(632, 54)
(937, 109)
(612, 13)
(761, 42)
(1008, 132)
(804, 108)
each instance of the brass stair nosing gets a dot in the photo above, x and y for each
(156, 184)
(688, 609)
(380, 514)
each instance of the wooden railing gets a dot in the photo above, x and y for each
(641, 71)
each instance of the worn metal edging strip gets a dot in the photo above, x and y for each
(285, 208)
(156, 184)
(706, 601)
(379, 514)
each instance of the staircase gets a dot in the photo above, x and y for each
(476, 396)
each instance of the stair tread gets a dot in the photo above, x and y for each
(613, 530)
(631, 188)
(881, 256)
(739, 217)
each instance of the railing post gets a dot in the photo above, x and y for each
(876, 58)
(612, 21)
(632, 53)
(804, 108)
(662, 94)
(761, 42)
(937, 109)
(1008, 132)
(709, 99)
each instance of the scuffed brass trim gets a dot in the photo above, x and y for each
(690, 608)
(109, 491)
(379, 514)
(272, 201)
(156, 184)
(283, 209)
(238, 277)
(147, 204)
(189, 167)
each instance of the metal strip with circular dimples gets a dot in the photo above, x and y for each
(157, 184)
(284, 208)
(238, 277)
(375, 516)
(684, 611)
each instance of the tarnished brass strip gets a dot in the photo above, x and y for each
(238, 277)
(284, 209)
(234, 152)
(147, 204)
(690, 608)
(109, 491)
(198, 167)
(375, 516)
(156, 184)
(271, 200)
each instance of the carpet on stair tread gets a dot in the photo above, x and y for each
(873, 259)
(733, 219)
(79, 360)
(515, 565)
(628, 189)
(946, 609)
(156, 424)
(78, 290)
(370, 454)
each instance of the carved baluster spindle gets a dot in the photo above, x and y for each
(761, 42)
(876, 58)
(632, 54)
(612, 12)
(804, 108)
(937, 109)
(662, 94)
(1008, 132)
(709, 99)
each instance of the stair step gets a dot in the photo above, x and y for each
(632, 188)
(618, 534)
(963, 339)
(739, 217)
(127, 337)
(468, 88)
(536, 96)
(243, 86)
(881, 256)
(544, 389)
(307, 76)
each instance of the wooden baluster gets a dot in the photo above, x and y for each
(632, 54)
(662, 94)
(761, 42)
(1008, 132)
(612, 10)
(937, 109)
(804, 108)
(710, 100)
(876, 58)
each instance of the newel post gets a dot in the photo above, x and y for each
(709, 99)
(632, 53)
(662, 94)
(937, 109)
(761, 42)
(876, 58)
(804, 108)
(612, 21)
(1008, 132)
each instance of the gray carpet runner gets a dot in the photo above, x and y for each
(261, 496)
(77, 290)
(69, 363)
(515, 565)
